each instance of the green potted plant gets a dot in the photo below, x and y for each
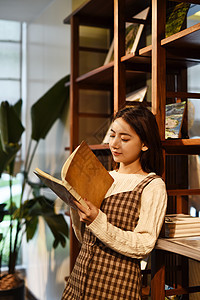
(23, 216)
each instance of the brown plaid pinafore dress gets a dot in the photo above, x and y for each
(99, 271)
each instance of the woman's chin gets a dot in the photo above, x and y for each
(116, 159)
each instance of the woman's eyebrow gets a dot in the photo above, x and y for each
(121, 133)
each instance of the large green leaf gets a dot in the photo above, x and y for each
(58, 227)
(56, 222)
(18, 108)
(29, 209)
(11, 127)
(42, 206)
(49, 108)
(31, 227)
(11, 130)
(7, 156)
(3, 212)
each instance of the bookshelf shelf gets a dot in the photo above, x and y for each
(182, 146)
(182, 48)
(170, 245)
(100, 13)
(91, 12)
(188, 38)
(101, 77)
(188, 1)
(183, 192)
(183, 95)
(137, 62)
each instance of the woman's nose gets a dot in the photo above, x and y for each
(115, 142)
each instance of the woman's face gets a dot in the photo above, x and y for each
(125, 144)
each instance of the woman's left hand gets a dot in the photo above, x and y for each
(87, 215)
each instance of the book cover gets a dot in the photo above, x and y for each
(82, 176)
(173, 119)
(176, 18)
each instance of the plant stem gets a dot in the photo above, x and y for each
(11, 220)
(28, 154)
(28, 163)
(31, 159)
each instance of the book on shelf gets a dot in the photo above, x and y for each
(181, 225)
(137, 95)
(132, 36)
(176, 17)
(82, 176)
(174, 115)
(182, 232)
(134, 32)
(187, 246)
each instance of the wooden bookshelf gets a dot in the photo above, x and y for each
(164, 57)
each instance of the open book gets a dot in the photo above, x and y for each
(82, 176)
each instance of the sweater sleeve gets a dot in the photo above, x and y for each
(140, 242)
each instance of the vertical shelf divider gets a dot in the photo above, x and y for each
(74, 123)
(119, 51)
(158, 64)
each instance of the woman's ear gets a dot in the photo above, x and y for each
(144, 148)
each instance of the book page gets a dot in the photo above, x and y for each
(179, 219)
(87, 175)
(62, 189)
(83, 176)
(67, 163)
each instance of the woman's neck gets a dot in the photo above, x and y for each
(131, 169)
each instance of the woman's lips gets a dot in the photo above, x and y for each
(116, 153)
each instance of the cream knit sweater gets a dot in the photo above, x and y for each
(140, 242)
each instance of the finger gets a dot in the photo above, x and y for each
(80, 215)
(83, 218)
(90, 204)
(81, 207)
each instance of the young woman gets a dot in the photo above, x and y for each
(116, 237)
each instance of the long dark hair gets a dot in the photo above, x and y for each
(144, 123)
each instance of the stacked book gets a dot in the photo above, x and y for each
(180, 225)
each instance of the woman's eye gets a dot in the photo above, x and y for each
(112, 136)
(125, 140)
